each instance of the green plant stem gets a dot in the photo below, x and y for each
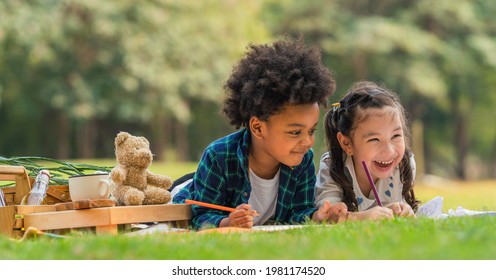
(59, 170)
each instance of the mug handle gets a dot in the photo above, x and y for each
(104, 188)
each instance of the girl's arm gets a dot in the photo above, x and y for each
(325, 188)
(332, 213)
(375, 213)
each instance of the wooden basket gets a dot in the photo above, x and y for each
(23, 183)
(9, 224)
(14, 218)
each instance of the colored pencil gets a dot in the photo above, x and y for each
(214, 206)
(372, 185)
(209, 205)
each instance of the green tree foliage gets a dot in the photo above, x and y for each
(74, 73)
(438, 55)
(80, 71)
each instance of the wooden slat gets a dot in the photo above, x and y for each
(68, 219)
(12, 169)
(7, 220)
(28, 209)
(8, 190)
(84, 204)
(18, 223)
(108, 216)
(21, 178)
(150, 213)
(19, 174)
(58, 193)
(7, 177)
(109, 229)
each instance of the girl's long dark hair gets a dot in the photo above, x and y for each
(344, 118)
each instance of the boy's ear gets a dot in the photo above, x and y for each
(255, 126)
(345, 143)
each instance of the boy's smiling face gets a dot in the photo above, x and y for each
(286, 136)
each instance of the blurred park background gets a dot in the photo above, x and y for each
(75, 73)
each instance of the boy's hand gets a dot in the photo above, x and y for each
(401, 209)
(242, 217)
(333, 213)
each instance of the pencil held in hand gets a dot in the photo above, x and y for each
(214, 206)
(209, 205)
(372, 185)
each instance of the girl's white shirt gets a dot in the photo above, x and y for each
(389, 189)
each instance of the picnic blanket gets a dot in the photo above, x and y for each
(142, 229)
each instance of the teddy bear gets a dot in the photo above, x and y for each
(133, 183)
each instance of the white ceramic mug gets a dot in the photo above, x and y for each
(89, 186)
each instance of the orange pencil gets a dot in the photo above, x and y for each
(214, 206)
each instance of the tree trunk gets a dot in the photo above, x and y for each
(360, 66)
(461, 138)
(418, 147)
(182, 142)
(63, 139)
(159, 140)
(86, 140)
(492, 162)
(416, 110)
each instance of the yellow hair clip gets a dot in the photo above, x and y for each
(335, 106)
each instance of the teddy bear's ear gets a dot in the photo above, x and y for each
(121, 137)
(144, 140)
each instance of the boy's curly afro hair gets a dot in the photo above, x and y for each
(272, 76)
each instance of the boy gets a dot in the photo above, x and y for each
(265, 170)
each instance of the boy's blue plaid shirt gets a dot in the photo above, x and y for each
(222, 179)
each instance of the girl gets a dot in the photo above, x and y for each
(368, 124)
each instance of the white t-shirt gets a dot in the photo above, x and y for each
(389, 189)
(263, 197)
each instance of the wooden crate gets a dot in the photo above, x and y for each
(14, 218)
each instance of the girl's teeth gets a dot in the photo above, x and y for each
(384, 164)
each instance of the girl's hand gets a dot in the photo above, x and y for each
(333, 213)
(242, 217)
(401, 209)
(376, 213)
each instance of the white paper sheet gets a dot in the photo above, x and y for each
(434, 207)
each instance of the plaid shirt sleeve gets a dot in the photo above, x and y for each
(209, 185)
(219, 179)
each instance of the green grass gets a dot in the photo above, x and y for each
(467, 238)
(473, 195)
(463, 238)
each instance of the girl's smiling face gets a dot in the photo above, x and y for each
(378, 140)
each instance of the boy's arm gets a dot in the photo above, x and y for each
(208, 185)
